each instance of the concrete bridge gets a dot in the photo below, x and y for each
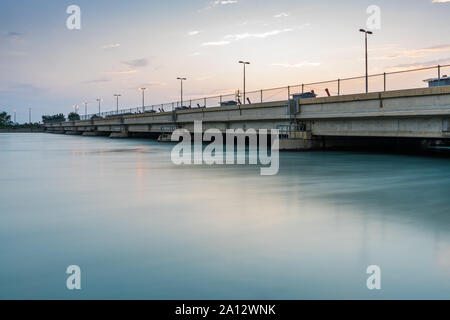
(419, 115)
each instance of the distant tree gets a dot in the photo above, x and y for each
(55, 118)
(73, 116)
(5, 119)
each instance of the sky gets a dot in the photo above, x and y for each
(124, 45)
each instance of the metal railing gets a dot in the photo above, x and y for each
(394, 80)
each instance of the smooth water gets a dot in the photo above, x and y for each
(140, 227)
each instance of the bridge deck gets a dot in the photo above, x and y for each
(421, 113)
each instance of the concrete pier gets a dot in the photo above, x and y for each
(94, 134)
(118, 135)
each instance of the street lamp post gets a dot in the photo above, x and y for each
(14, 116)
(244, 63)
(99, 102)
(29, 115)
(85, 109)
(143, 98)
(367, 63)
(117, 102)
(181, 80)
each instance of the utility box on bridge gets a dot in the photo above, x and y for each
(437, 82)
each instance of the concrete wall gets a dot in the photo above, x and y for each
(423, 127)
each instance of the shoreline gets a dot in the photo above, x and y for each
(22, 130)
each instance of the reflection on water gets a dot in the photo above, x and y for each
(141, 227)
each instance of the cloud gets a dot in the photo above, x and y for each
(155, 84)
(110, 46)
(418, 65)
(96, 81)
(148, 85)
(281, 15)
(203, 78)
(236, 37)
(216, 43)
(387, 57)
(296, 65)
(240, 36)
(15, 53)
(22, 89)
(136, 62)
(440, 1)
(193, 33)
(13, 34)
(120, 72)
(415, 53)
(443, 47)
(224, 2)
(14, 37)
(217, 3)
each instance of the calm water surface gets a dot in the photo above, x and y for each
(142, 228)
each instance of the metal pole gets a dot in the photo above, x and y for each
(244, 63)
(181, 80)
(366, 32)
(261, 96)
(143, 99)
(29, 115)
(85, 109)
(303, 88)
(117, 102)
(384, 80)
(14, 116)
(244, 83)
(367, 68)
(439, 75)
(339, 87)
(289, 92)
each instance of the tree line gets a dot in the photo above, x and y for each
(60, 117)
(5, 120)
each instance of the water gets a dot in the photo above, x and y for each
(142, 228)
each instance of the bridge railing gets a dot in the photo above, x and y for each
(408, 78)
